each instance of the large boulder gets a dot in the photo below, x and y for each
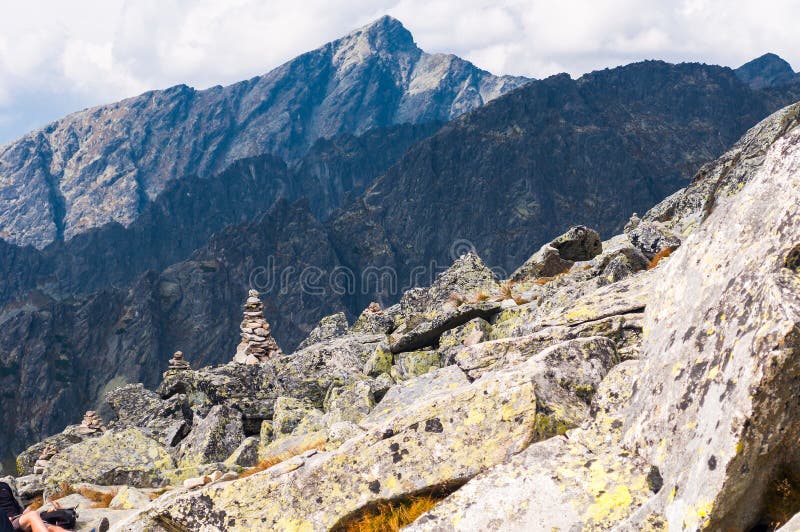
(126, 456)
(580, 243)
(444, 436)
(481, 358)
(722, 356)
(291, 414)
(653, 237)
(166, 421)
(213, 438)
(437, 321)
(701, 432)
(329, 327)
(69, 436)
(310, 372)
(251, 389)
(468, 275)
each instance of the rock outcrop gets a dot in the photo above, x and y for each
(111, 303)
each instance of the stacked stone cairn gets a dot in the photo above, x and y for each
(91, 423)
(48, 452)
(257, 343)
(177, 362)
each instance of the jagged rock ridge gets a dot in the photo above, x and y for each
(412, 221)
(107, 163)
(615, 395)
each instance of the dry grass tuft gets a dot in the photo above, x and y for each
(275, 460)
(456, 299)
(392, 516)
(543, 280)
(519, 300)
(36, 503)
(481, 296)
(156, 494)
(782, 501)
(666, 252)
(101, 499)
(62, 491)
(506, 290)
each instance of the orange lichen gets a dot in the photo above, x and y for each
(665, 252)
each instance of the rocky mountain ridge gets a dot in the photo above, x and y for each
(645, 382)
(769, 70)
(108, 163)
(492, 181)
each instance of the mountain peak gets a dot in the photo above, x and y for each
(386, 33)
(769, 70)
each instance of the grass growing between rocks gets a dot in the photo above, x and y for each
(36, 503)
(101, 499)
(391, 516)
(275, 460)
(781, 503)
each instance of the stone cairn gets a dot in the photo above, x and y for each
(257, 343)
(177, 362)
(91, 423)
(48, 452)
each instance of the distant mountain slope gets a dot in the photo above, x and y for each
(105, 164)
(57, 356)
(767, 71)
(183, 217)
(505, 178)
(510, 175)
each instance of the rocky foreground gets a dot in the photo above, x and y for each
(647, 382)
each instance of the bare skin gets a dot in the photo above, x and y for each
(31, 521)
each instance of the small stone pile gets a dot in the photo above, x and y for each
(177, 362)
(48, 452)
(257, 343)
(91, 423)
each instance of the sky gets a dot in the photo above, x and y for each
(60, 56)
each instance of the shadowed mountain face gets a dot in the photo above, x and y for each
(190, 210)
(509, 176)
(107, 163)
(113, 302)
(767, 71)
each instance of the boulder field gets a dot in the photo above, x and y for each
(649, 381)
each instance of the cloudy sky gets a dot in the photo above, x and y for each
(60, 56)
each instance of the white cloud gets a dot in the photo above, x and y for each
(56, 57)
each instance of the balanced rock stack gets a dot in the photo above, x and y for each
(48, 452)
(177, 362)
(257, 342)
(91, 423)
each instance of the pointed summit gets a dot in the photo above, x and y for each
(385, 35)
(769, 70)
